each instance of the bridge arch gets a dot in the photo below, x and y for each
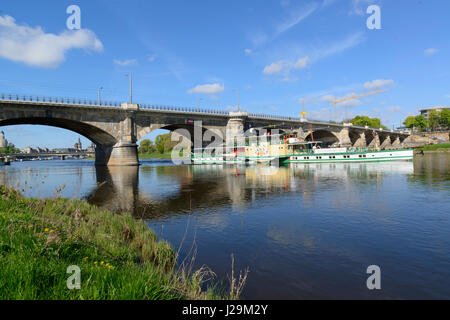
(190, 128)
(91, 132)
(354, 136)
(327, 137)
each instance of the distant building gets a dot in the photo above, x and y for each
(42, 150)
(426, 112)
(91, 148)
(78, 146)
(64, 150)
(3, 141)
(28, 150)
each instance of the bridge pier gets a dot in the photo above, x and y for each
(344, 138)
(375, 142)
(396, 143)
(361, 142)
(235, 128)
(386, 143)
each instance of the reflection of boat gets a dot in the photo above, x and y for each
(288, 148)
(4, 161)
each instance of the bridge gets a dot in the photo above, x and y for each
(61, 155)
(115, 128)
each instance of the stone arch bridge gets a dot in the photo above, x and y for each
(115, 128)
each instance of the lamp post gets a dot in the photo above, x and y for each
(99, 95)
(237, 91)
(131, 86)
(198, 104)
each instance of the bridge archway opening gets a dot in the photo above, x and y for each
(327, 137)
(92, 133)
(187, 131)
(354, 137)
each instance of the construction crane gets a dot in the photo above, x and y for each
(353, 97)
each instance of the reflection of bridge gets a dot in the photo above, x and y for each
(115, 128)
(118, 188)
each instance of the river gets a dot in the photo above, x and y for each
(308, 231)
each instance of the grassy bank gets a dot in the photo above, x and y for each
(166, 156)
(437, 147)
(119, 257)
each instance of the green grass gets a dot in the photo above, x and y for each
(119, 257)
(157, 155)
(436, 147)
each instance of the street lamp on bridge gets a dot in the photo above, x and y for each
(99, 95)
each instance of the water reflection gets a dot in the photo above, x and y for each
(174, 190)
(305, 231)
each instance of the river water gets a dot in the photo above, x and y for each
(306, 231)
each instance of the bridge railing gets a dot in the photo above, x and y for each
(150, 107)
(57, 100)
(181, 109)
(91, 102)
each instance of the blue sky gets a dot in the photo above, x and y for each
(279, 54)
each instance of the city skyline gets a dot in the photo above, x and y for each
(281, 57)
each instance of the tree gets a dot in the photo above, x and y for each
(9, 150)
(147, 146)
(367, 121)
(420, 122)
(164, 143)
(444, 118)
(159, 143)
(433, 119)
(409, 122)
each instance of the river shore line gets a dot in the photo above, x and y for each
(119, 257)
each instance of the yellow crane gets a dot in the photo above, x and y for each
(354, 97)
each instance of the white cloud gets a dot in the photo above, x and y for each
(359, 6)
(351, 41)
(34, 47)
(125, 63)
(378, 84)
(295, 18)
(302, 63)
(208, 89)
(430, 51)
(394, 109)
(328, 98)
(284, 67)
(152, 57)
(248, 52)
(274, 68)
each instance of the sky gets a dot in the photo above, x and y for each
(284, 56)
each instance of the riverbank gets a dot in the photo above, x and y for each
(165, 156)
(119, 257)
(435, 148)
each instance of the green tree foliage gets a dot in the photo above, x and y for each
(147, 147)
(409, 122)
(433, 119)
(164, 143)
(444, 118)
(9, 150)
(366, 121)
(420, 122)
